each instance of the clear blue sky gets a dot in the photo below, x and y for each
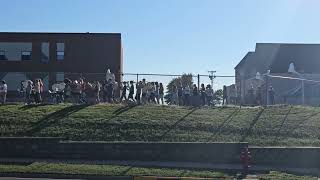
(174, 36)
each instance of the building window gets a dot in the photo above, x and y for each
(45, 52)
(3, 55)
(13, 50)
(60, 55)
(60, 51)
(25, 55)
(60, 76)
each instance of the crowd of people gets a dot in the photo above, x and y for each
(186, 95)
(108, 91)
(82, 91)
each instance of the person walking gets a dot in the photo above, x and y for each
(131, 91)
(156, 93)
(144, 91)
(3, 92)
(161, 92)
(124, 92)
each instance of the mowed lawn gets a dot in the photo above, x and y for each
(279, 125)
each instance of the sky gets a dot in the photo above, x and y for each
(174, 36)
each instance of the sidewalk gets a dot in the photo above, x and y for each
(162, 164)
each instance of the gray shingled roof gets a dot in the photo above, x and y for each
(278, 56)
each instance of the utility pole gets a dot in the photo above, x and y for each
(212, 77)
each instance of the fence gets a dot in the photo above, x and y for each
(285, 88)
(14, 79)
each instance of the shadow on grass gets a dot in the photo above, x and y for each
(52, 118)
(176, 123)
(281, 126)
(297, 126)
(253, 122)
(29, 106)
(225, 122)
(123, 109)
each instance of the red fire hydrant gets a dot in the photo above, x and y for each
(245, 158)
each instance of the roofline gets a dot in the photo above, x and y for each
(112, 33)
(288, 43)
(243, 59)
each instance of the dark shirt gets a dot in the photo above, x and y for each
(161, 90)
(195, 91)
(131, 91)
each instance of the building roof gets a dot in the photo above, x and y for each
(101, 33)
(306, 58)
(278, 56)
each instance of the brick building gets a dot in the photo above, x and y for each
(55, 56)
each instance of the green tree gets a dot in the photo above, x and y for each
(218, 96)
(184, 80)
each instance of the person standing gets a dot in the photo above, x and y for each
(224, 96)
(152, 90)
(209, 94)
(271, 95)
(37, 91)
(3, 92)
(161, 92)
(187, 92)
(174, 97)
(259, 96)
(131, 91)
(203, 95)
(195, 90)
(97, 90)
(180, 95)
(29, 92)
(110, 91)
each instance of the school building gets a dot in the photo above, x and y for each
(55, 56)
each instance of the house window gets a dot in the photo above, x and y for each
(25, 55)
(60, 55)
(3, 55)
(60, 51)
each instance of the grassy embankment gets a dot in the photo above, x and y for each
(282, 125)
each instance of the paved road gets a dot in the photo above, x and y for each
(14, 178)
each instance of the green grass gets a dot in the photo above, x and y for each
(280, 125)
(107, 170)
(114, 170)
(280, 175)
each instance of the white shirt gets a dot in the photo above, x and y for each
(3, 88)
